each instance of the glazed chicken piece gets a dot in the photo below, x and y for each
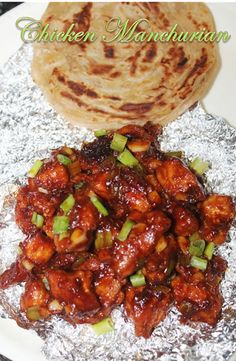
(197, 295)
(53, 176)
(142, 240)
(147, 307)
(185, 222)
(161, 263)
(74, 288)
(179, 182)
(38, 248)
(34, 300)
(217, 213)
(33, 201)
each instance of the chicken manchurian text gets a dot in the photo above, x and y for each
(119, 222)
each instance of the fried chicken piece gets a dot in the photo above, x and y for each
(53, 176)
(217, 213)
(33, 201)
(74, 288)
(38, 248)
(197, 295)
(179, 182)
(160, 264)
(185, 222)
(147, 307)
(141, 242)
(16, 273)
(34, 300)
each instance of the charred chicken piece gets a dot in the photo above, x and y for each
(185, 222)
(217, 213)
(179, 182)
(147, 307)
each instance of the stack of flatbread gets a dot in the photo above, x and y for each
(98, 84)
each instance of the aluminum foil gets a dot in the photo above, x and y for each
(29, 128)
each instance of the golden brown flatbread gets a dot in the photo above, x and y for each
(98, 84)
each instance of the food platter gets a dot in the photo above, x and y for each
(7, 353)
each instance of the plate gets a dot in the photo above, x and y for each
(18, 344)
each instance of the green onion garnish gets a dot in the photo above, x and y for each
(137, 279)
(37, 220)
(118, 142)
(104, 326)
(125, 230)
(60, 224)
(197, 247)
(68, 204)
(194, 237)
(33, 314)
(209, 250)
(199, 263)
(103, 239)
(63, 159)
(199, 166)
(35, 169)
(128, 159)
(100, 132)
(177, 154)
(98, 204)
(79, 185)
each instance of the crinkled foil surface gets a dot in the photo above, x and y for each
(29, 128)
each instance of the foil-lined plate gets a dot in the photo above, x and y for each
(29, 129)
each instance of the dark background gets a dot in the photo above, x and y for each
(5, 6)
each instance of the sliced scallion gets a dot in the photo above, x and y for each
(60, 224)
(63, 159)
(194, 237)
(79, 185)
(68, 204)
(33, 314)
(35, 168)
(125, 230)
(127, 158)
(104, 326)
(98, 204)
(199, 166)
(100, 132)
(118, 142)
(209, 250)
(198, 263)
(103, 239)
(37, 220)
(137, 279)
(197, 247)
(177, 154)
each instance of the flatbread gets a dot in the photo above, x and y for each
(98, 84)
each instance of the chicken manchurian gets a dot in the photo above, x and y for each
(117, 222)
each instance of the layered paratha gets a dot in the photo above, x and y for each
(98, 84)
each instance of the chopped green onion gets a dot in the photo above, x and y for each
(63, 159)
(100, 132)
(199, 263)
(79, 185)
(125, 230)
(104, 326)
(118, 142)
(46, 283)
(68, 204)
(209, 250)
(37, 220)
(199, 166)
(35, 169)
(194, 237)
(177, 154)
(137, 279)
(63, 235)
(103, 239)
(60, 224)
(128, 159)
(197, 247)
(33, 314)
(98, 204)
